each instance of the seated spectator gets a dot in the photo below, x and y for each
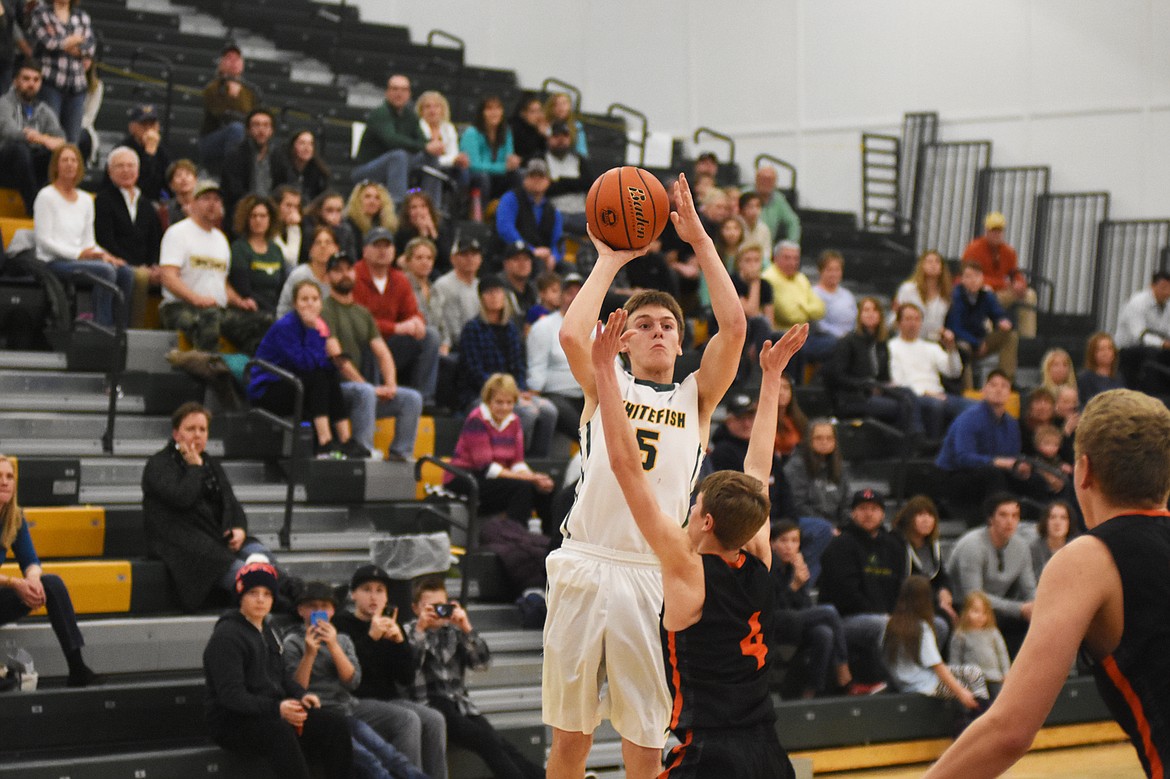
(977, 640)
(775, 212)
(127, 225)
(920, 366)
(819, 478)
(144, 138)
(529, 129)
(571, 178)
(491, 448)
(1053, 532)
(487, 142)
(288, 224)
(324, 662)
(198, 299)
(393, 145)
(911, 652)
(755, 230)
(858, 375)
(548, 299)
(755, 295)
(981, 451)
(63, 221)
(296, 342)
(254, 705)
(1056, 371)
(1002, 274)
(548, 368)
(194, 523)
(352, 334)
(307, 171)
(418, 260)
(29, 134)
(419, 219)
(1143, 334)
(728, 239)
(980, 324)
(525, 215)
(182, 177)
(33, 589)
(386, 292)
(916, 525)
(1068, 415)
(558, 107)
(369, 206)
(388, 670)
(840, 317)
(62, 33)
(227, 99)
(863, 569)
(1039, 410)
(1099, 373)
(792, 424)
(1055, 471)
(650, 271)
(255, 166)
(328, 209)
(995, 561)
(446, 646)
(455, 294)
(816, 630)
(434, 119)
(728, 448)
(793, 300)
(930, 288)
(490, 343)
(518, 278)
(322, 245)
(258, 271)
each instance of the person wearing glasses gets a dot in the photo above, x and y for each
(995, 561)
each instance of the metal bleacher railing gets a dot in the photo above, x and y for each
(117, 336)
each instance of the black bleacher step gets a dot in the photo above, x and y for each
(177, 762)
(49, 481)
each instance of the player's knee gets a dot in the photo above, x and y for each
(570, 744)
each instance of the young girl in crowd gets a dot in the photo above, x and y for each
(913, 658)
(792, 423)
(819, 479)
(929, 288)
(1055, 530)
(977, 641)
(1056, 371)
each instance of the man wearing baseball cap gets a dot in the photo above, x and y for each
(861, 572)
(525, 214)
(1001, 272)
(455, 294)
(388, 669)
(227, 99)
(143, 136)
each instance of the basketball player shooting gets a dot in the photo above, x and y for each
(718, 596)
(602, 652)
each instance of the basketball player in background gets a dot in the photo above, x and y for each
(1106, 592)
(602, 655)
(717, 614)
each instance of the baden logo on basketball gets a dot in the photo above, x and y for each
(638, 197)
(608, 217)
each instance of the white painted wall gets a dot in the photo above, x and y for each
(1081, 85)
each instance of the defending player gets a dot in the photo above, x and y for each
(1107, 592)
(601, 644)
(718, 603)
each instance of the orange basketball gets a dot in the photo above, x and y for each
(627, 208)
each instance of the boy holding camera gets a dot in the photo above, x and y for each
(445, 646)
(325, 663)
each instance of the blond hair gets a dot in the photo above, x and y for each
(11, 516)
(387, 217)
(1126, 436)
(977, 596)
(499, 382)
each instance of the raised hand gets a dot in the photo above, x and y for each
(774, 357)
(605, 250)
(686, 219)
(607, 342)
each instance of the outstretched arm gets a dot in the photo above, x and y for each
(758, 462)
(681, 567)
(721, 356)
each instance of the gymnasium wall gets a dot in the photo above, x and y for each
(1081, 85)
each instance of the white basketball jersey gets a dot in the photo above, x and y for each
(665, 418)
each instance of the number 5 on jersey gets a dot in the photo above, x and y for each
(648, 443)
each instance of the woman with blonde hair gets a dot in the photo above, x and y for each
(929, 287)
(370, 206)
(434, 114)
(559, 108)
(34, 589)
(1056, 371)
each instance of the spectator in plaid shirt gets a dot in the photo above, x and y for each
(489, 344)
(445, 645)
(63, 38)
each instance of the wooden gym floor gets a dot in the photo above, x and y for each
(1103, 761)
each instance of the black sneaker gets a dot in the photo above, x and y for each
(354, 451)
(330, 451)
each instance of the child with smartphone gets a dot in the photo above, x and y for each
(446, 645)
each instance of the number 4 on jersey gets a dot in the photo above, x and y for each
(753, 644)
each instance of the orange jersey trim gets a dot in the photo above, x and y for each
(1139, 715)
(678, 753)
(675, 679)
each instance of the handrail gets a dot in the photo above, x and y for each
(573, 91)
(719, 136)
(285, 534)
(472, 508)
(436, 33)
(904, 223)
(777, 162)
(168, 74)
(118, 336)
(642, 119)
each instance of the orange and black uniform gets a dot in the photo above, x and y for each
(717, 672)
(1135, 679)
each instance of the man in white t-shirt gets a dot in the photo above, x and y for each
(198, 300)
(920, 365)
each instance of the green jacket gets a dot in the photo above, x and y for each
(387, 129)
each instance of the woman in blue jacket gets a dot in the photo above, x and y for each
(296, 342)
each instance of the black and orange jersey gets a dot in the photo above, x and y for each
(717, 669)
(1135, 679)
